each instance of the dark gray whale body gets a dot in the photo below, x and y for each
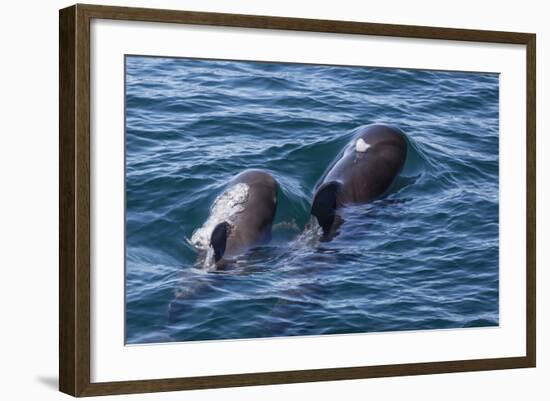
(251, 224)
(241, 217)
(363, 173)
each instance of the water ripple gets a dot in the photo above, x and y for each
(425, 257)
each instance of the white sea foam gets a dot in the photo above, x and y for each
(209, 263)
(226, 207)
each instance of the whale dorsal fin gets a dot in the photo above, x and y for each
(218, 239)
(324, 204)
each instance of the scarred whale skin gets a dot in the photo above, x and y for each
(252, 224)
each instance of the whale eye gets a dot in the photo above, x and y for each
(361, 145)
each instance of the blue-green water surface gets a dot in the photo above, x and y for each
(424, 257)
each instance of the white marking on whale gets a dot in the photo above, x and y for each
(361, 146)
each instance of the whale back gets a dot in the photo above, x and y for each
(251, 223)
(364, 172)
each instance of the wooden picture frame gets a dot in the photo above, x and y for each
(74, 200)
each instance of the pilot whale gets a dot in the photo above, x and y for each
(363, 173)
(240, 218)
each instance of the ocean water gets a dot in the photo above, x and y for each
(425, 256)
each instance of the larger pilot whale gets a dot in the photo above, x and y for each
(363, 173)
(240, 218)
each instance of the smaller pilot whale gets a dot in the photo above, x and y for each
(363, 173)
(240, 218)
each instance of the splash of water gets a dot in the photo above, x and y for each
(225, 208)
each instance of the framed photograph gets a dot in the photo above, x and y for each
(250, 200)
